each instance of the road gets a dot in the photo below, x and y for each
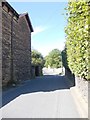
(48, 96)
(52, 71)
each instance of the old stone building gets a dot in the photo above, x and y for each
(0, 47)
(16, 45)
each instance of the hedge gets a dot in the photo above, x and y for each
(64, 58)
(78, 37)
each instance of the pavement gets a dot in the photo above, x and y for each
(80, 102)
(82, 105)
(48, 96)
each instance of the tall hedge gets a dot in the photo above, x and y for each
(78, 37)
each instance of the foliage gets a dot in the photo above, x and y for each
(64, 58)
(77, 38)
(53, 59)
(37, 58)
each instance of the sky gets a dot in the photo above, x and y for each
(48, 23)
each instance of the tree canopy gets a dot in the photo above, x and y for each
(37, 58)
(53, 59)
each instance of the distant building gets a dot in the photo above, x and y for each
(16, 45)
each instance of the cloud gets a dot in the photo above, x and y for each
(38, 29)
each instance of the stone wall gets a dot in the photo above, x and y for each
(36, 71)
(33, 71)
(6, 46)
(0, 45)
(82, 86)
(0, 56)
(16, 47)
(21, 49)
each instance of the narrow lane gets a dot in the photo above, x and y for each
(44, 97)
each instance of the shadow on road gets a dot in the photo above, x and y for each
(45, 83)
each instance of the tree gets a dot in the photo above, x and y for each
(53, 59)
(37, 58)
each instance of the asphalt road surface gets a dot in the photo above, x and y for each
(48, 96)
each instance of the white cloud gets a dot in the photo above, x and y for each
(38, 29)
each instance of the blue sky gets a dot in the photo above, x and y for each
(48, 23)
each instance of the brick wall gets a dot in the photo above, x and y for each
(0, 49)
(16, 47)
(21, 50)
(6, 46)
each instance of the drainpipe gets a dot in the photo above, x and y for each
(12, 80)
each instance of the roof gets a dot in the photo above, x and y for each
(28, 20)
(10, 7)
(4, 2)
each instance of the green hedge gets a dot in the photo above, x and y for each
(64, 58)
(77, 38)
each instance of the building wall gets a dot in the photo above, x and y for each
(16, 48)
(6, 46)
(0, 48)
(22, 50)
